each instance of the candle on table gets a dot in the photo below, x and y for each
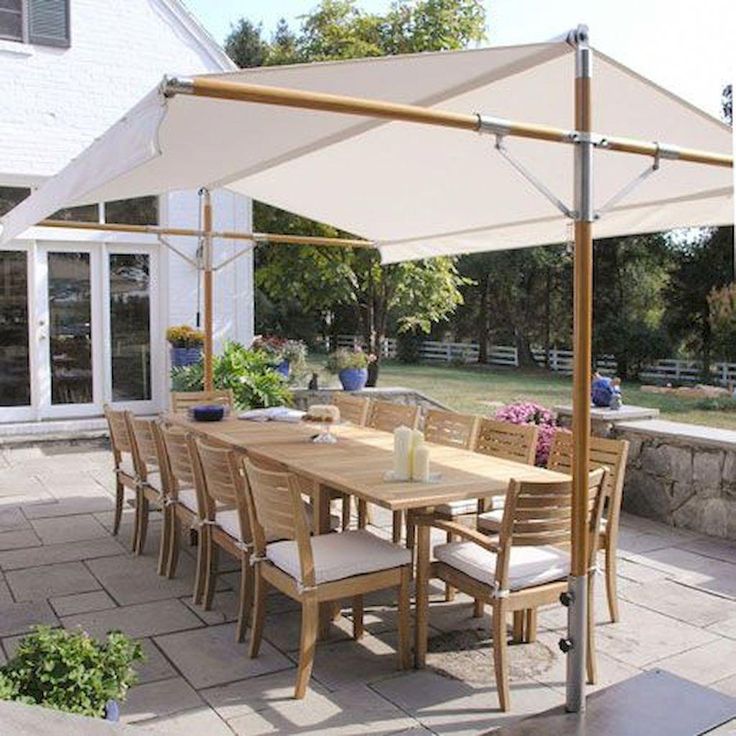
(420, 466)
(402, 453)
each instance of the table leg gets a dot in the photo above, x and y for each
(321, 510)
(422, 596)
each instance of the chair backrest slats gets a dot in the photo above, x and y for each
(182, 401)
(117, 422)
(179, 458)
(276, 511)
(146, 445)
(387, 416)
(353, 409)
(517, 442)
(451, 428)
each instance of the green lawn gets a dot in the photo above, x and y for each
(467, 388)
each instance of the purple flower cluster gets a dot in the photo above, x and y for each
(527, 412)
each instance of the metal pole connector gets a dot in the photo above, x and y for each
(177, 86)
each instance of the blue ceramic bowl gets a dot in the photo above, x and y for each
(208, 413)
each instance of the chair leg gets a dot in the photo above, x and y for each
(449, 590)
(530, 625)
(310, 621)
(347, 503)
(172, 560)
(211, 565)
(404, 618)
(612, 584)
(119, 499)
(397, 524)
(145, 510)
(259, 613)
(201, 573)
(246, 596)
(358, 628)
(362, 514)
(478, 608)
(500, 654)
(591, 660)
(165, 544)
(136, 521)
(518, 635)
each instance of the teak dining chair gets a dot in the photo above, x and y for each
(182, 401)
(149, 458)
(387, 416)
(124, 466)
(353, 409)
(225, 526)
(527, 565)
(324, 568)
(184, 505)
(612, 455)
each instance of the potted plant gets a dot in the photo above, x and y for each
(69, 670)
(351, 367)
(286, 356)
(186, 345)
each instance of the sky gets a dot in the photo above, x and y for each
(684, 45)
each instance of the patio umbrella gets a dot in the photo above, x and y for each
(394, 163)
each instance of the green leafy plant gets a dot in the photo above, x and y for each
(344, 359)
(184, 336)
(249, 373)
(280, 349)
(70, 671)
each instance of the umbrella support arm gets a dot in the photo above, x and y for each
(232, 258)
(181, 254)
(630, 187)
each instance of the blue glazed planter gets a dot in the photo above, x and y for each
(284, 368)
(185, 356)
(353, 379)
(112, 711)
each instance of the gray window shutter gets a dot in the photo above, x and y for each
(48, 22)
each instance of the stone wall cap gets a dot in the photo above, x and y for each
(626, 413)
(693, 433)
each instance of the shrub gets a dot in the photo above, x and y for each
(527, 412)
(70, 671)
(344, 359)
(184, 336)
(408, 347)
(280, 349)
(249, 373)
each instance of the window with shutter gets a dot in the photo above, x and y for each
(11, 20)
(48, 22)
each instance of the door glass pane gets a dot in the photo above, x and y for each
(15, 383)
(130, 327)
(70, 328)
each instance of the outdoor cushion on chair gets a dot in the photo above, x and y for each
(458, 508)
(188, 497)
(490, 521)
(126, 466)
(153, 479)
(528, 566)
(338, 556)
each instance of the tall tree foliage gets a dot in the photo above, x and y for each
(409, 296)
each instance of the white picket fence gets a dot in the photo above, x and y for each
(560, 360)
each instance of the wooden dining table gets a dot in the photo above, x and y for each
(358, 465)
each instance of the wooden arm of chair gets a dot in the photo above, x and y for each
(454, 527)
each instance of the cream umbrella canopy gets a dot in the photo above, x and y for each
(398, 167)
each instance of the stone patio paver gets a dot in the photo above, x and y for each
(678, 606)
(50, 581)
(71, 529)
(143, 619)
(211, 656)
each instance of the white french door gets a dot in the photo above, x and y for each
(78, 328)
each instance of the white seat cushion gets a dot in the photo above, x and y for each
(188, 497)
(490, 520)
(458, 508)
(126, 466)
(528, 566)
(339, 556)
(229, 523)
(153, 479)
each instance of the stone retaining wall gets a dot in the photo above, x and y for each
(682, 475)
(303, 398)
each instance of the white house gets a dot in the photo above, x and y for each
(83, 313)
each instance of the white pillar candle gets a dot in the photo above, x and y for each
(402, 453)
(420, 466)
(417, 438)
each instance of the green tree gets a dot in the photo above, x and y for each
(722, 303)
(704, 263)
(410, 296)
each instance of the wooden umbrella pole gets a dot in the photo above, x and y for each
(270, 238)
(577, 599)
(305, 100)
(207, 277)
